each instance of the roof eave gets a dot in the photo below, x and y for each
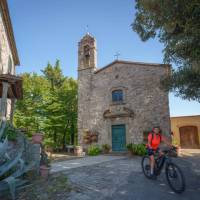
(131, 62)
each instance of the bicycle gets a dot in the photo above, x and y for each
(172, 171)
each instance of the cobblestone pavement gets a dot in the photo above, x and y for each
(122, 179)
(81, 162)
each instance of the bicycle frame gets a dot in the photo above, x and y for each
(163, 160)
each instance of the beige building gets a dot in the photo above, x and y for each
(119, 101)
(186, 130)
(8, 51)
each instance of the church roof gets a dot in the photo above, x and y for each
(131, 62)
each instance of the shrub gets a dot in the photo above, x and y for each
(10, 133)
(106, 148)
(130, 148)
(49, 143)
(94, 150)
(137, 149)
(174, 142)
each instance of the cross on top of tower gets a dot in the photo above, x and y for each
(87, 29)
(117, 55)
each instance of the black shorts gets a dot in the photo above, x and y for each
(151, 152)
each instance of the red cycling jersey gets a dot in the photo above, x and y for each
(155, 141)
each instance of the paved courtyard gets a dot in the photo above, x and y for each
(81, 162)
(121, 178)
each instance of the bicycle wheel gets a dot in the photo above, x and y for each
(146, 166)
(175, 178)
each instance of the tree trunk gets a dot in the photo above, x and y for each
(55, 137)
(72, 133)
(64, 136)
(64, 140)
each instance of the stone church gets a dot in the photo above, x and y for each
(121, 100)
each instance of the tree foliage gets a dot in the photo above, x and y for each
(177, 25)
(49, 105)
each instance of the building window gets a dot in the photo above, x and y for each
(117, 96)
(87, 55)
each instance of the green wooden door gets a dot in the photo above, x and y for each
(118, 138)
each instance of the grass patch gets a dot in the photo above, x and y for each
(55, 187)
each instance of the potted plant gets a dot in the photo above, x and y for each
(37, 138)
(78, 150)
(44, 164)
(106, 148)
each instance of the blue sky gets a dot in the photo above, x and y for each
(46, 30)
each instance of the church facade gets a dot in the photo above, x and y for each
(119, 101)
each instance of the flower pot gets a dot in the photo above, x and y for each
(37, 138)
(44, 171)
(78, 151)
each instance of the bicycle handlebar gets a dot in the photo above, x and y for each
(172, 148)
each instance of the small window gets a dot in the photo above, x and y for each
(87, 51)
(117, 96)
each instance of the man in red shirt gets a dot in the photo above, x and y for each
(154, 139)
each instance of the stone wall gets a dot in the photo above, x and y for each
(6, 58)
(84, 98)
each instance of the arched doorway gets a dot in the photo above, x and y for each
(189, 137)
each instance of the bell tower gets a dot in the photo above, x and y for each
(87, 56)
(87, 62)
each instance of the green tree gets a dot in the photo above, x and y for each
(54, 74)
(61, 106)
(177, 25)
(49, 105)
(29, 111)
